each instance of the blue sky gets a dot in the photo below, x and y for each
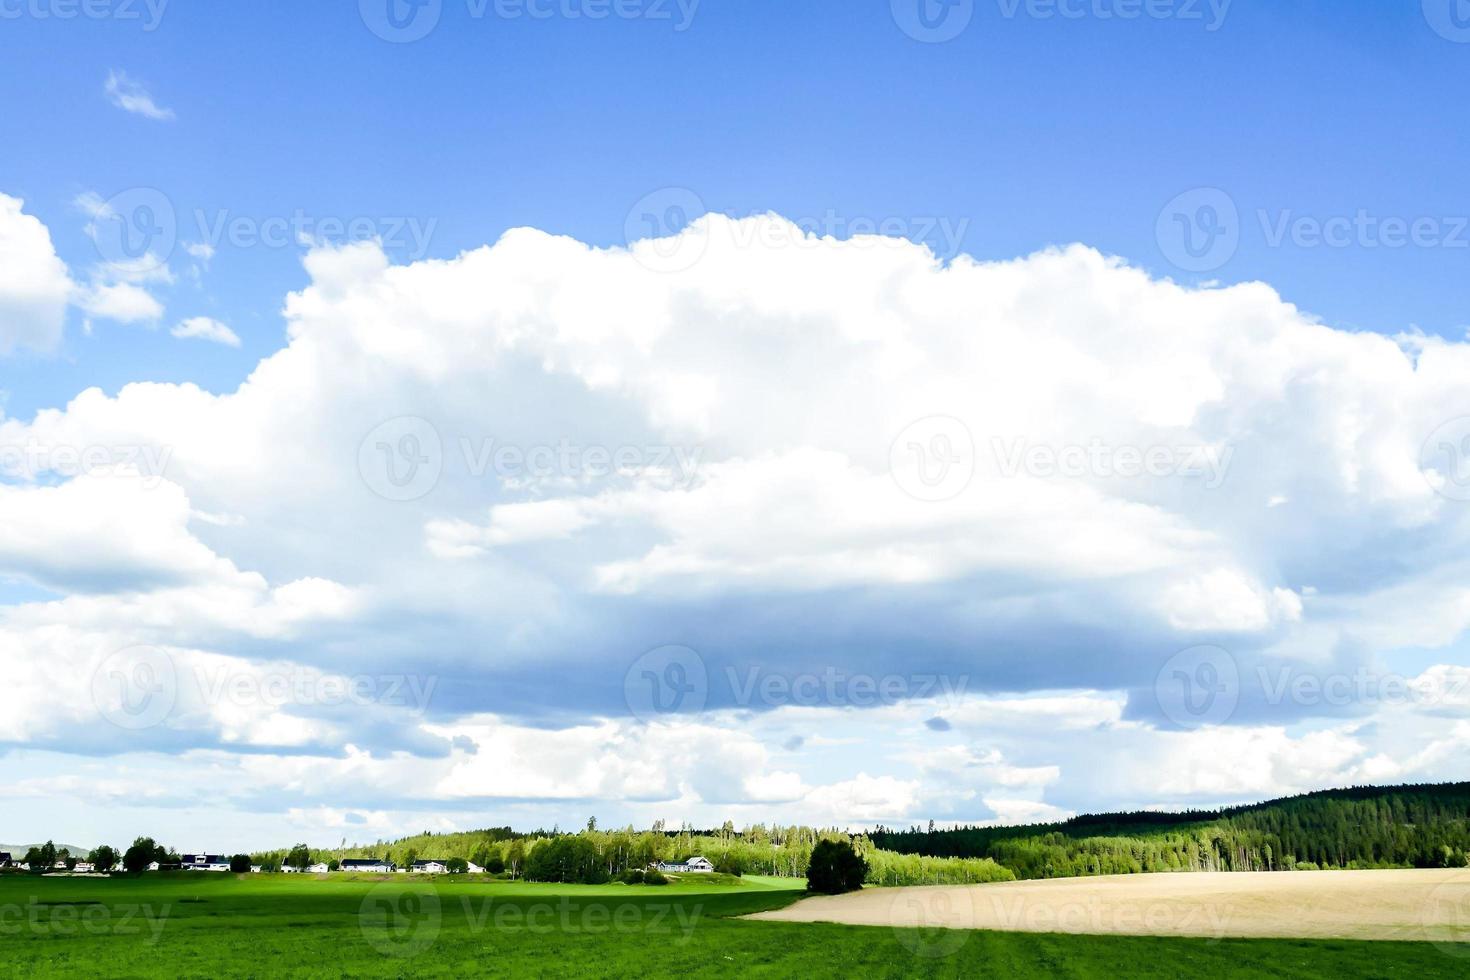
(1306, 344)
(1035, 132)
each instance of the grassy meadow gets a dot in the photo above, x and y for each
(209, 925)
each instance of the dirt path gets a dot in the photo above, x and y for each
(1408, 905)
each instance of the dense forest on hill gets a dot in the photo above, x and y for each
(592, 855)
(1364, 827)
(1367, 827)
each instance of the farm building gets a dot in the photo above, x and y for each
(368, 865)
(204, 862)
(695, 865)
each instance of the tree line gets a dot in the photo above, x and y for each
(1363, 827)
(592, 855)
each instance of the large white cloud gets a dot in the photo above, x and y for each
(542, 458)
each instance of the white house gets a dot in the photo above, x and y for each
(474, 868)
(205, 862)
(695, 865)
(320, 868)
(430, 867)
(367, 865)
(84, 868)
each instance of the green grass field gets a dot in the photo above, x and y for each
(203, 925)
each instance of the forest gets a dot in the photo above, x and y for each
(592, 855)
(1366, 827)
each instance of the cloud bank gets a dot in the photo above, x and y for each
(824, 468)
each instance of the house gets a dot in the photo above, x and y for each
(474, 868)
(695, 865)
(367, 865)
(430, 867)
(320, 868)
(205, 862)
(84, 868)
(164, 866)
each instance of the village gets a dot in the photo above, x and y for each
(220, 863)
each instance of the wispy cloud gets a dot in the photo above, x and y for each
(204, 328)
(131, 96)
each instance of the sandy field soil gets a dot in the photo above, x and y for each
(1408, 905)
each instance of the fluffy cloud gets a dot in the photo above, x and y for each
(793, 456)
(121, 301)
(34, 283)
(205, 328)
(132, 96)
